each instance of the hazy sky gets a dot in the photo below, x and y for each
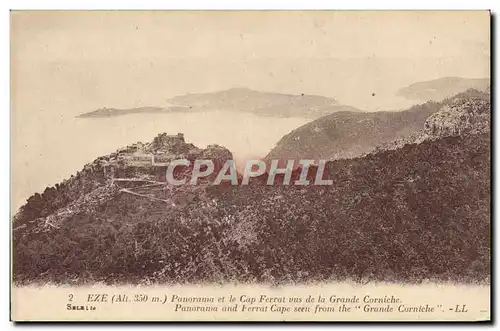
(74, 62)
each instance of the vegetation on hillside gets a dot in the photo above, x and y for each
(419, 212)
(352, 134)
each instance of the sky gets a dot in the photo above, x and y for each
(74, 62)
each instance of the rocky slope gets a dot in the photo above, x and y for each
(463, 116)
(467, 113)
(347, 135)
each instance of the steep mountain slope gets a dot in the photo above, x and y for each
(442, 88)
(467, 113)
(346, 134)
(463, 116)
(420, 212)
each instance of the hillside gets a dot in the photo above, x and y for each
(347, 134)
(420, 212)
(466, 113)
(442, 88)
(128, 169)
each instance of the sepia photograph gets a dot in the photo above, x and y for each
(250, 165)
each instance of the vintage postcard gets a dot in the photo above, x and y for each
(250, 166)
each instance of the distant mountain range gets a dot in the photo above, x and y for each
(442, 88)
(289, 105)
(240, 100)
